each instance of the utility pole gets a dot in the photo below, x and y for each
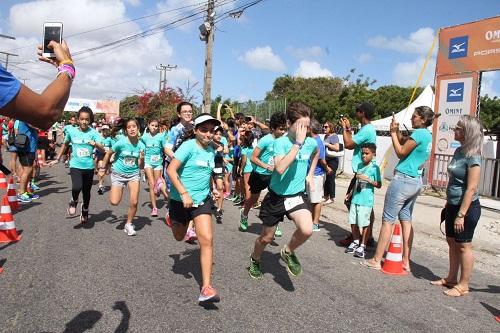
(207, 34)
(163, 75)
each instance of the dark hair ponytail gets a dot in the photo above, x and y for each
(86, 109)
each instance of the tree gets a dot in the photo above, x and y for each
(489, 111)
(151, 105)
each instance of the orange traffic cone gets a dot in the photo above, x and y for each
(3, 180)
(12, 194)
(393, 263)
(8, 232)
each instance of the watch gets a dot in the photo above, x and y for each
(298, 144)
(460, 215)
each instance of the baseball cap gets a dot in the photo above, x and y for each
(203, 118)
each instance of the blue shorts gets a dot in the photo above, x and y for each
(400, 198)
(154, 167)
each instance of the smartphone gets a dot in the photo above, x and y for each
(52, 31)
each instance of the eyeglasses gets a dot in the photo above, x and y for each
(326, 126)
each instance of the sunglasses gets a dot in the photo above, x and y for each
(326, 126)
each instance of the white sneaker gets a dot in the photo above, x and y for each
(129, 229)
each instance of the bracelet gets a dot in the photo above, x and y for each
(298, 144)
(68, 70)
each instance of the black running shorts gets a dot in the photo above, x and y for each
(274, 207)
(258, 182)
(180, 215)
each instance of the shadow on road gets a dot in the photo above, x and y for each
(84, 321)
(6, 245)
(271, 264)
(2, 262)
(492, 289)
(141, 221)
(187, 264)
(335, 232)
(103, 216)
(422, 272)
(124, 323)
(52, 190)
(46, 183)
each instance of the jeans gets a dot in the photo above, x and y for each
(400, 198)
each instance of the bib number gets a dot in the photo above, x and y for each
(129, 161)
(293, 202)
(155, 158)
(82, 152)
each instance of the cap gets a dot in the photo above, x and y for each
(203, 118)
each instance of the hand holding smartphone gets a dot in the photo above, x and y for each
(52, 31)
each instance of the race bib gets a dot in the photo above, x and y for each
(155, 158)
(129, 161)
(293, 202)
(202, 163)
(82, 152)
(271, 161)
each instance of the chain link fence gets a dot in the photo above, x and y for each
(261, 110)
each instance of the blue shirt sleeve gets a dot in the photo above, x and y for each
(9, 87)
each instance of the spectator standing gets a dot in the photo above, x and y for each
(331, 143)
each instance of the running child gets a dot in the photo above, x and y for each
(83, 139)
(286, 196)
(154, 141)
(219, 144)
(190, 172)
(107, 143)
(367, 178)
(246, 169)
(129, 156)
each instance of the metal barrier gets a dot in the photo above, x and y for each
(489, 181)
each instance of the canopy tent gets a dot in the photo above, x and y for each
(426, 98)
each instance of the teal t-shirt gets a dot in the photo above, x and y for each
(197, 165)
(412, 163)
(366, 194)
(293, 180)
(265, 144)
(457, 176)
(81, 151)
(127, 156)
(247, 151)
(153, 155)
(230, 156)
(366, 134)
(223, 140)
(108, 143)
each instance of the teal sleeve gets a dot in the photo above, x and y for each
(67, 137)
(182, 154)
(116, 147)
(263, 144)
(279, 148)
(474, 160)
(417, 137)
(360, 137)
(377, 175)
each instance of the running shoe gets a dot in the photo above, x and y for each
(351, 248)
(243, 221)
(168, 221)
(72, 208)
(327, 202)
(33, 196)
(84, 215)
(129, 229)
(100, 190)
(238, 201)
(257, 205)
(23, 198)
(292, 262)
(190, 236)
(158, 185)
(218, 216)
(278, 232)
(66, 164)
(316, 227)
(208, 294)
(34, 186)
(360, 252)
(232, 197)
(227, 195)
(254, 269)
(154, 212)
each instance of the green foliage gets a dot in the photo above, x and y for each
(489, 112)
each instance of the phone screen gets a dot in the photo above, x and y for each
(51, 33)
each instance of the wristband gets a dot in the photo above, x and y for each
(298, 144)
(68, 70)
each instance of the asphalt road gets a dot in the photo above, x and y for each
(61, 278)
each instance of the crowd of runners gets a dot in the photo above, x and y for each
(195, 163)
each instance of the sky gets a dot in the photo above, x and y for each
(384, 40)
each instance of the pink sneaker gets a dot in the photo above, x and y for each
(154, 212)
(226, 195)
(208, 294)
(158, 185)
(190, 236)
(168, 221)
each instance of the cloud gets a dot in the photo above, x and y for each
(310, 69)
(488, 86)
(133, 3)
(417, 42)
(364, 58)
(406, 73)
(306, 52)
(263, 58)
(117, 72)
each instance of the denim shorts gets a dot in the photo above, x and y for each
(121, 180)
(400, 198)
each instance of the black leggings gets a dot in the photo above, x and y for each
(81, 180)
(329, 187)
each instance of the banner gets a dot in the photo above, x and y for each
(469, 47)
(109, 107)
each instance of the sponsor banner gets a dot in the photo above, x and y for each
(109, 107)
(469, 47)
(457, 97)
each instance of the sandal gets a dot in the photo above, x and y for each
(456, 291)
(371, 264)
(443, 282)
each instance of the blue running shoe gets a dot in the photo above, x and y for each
(23, 198)
(32, 196)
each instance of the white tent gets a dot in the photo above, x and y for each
(404, 116)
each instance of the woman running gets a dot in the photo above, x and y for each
(190, 172)
(219, 144)
(107, 142)
(154, 141)
(129, 156)
(83, 139)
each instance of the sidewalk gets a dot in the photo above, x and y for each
(426, 218)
